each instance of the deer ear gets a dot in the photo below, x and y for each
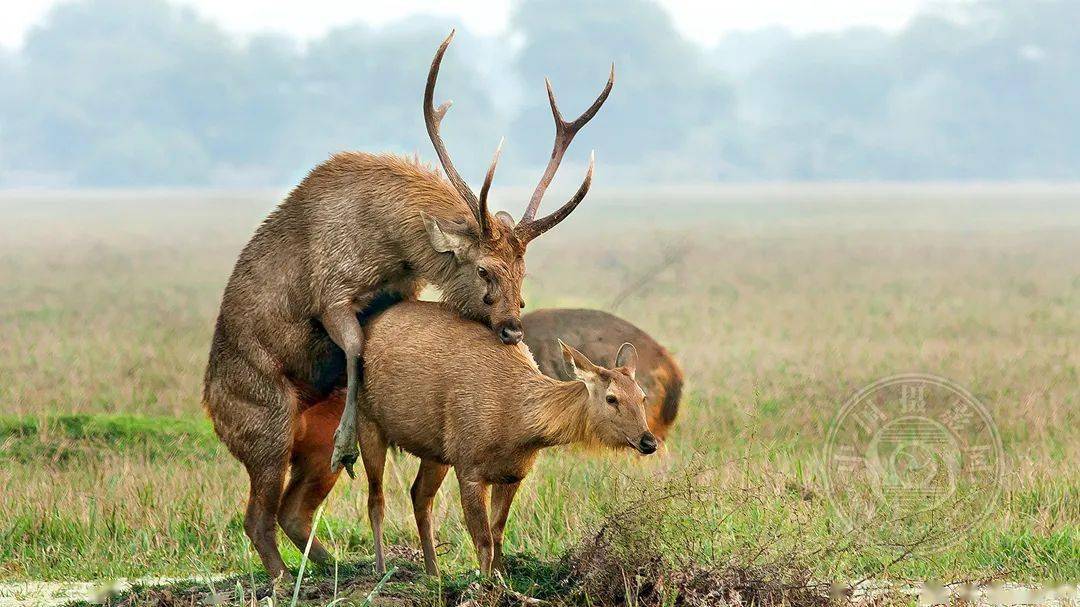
(579, 366)
(627, 357)
(446, 240)
(505, 218)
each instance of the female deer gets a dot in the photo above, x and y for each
(593, 332)
(436, 386)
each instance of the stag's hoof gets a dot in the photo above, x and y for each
(345, 454)
(277, 587)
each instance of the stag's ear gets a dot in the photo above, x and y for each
(505, 218)
(627, 357)
(580, 367)
(445, 239)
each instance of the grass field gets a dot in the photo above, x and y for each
(780, 302)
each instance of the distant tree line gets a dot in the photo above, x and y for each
(147, 93)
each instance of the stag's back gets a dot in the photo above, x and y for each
(440, 386)
(598, 334)
(354, 218)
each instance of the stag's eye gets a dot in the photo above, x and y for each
(523, 304)
(611, 400)
(481, 271)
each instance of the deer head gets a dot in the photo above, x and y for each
(616, 407)
(490, 255)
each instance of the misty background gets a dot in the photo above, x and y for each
(148, 93)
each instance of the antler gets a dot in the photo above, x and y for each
(482, 213)
(528, 228)
(433, 118)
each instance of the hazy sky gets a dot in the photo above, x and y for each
(701, 20)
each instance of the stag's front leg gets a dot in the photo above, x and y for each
(340, 322)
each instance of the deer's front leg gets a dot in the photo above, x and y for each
(341, 324)
(474, 504)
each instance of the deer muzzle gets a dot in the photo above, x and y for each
(647, 444)
(510, 332)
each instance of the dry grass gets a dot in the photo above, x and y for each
(780, 303)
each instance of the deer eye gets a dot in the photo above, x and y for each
(482, 271)
(522, 304)
(611, 400)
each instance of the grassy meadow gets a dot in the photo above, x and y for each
(780, 302)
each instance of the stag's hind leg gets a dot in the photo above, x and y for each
(255, 423)
(310, 480)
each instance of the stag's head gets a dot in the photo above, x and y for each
(616, 409)
(489, 252)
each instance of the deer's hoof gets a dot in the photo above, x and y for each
(345, 455)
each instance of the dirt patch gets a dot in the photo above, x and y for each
(403, 585)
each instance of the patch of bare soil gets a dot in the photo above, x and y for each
(350, 584)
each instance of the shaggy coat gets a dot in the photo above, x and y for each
(360, 233)
(351, 236)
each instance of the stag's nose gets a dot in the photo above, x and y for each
(647, 444)
(510, 332)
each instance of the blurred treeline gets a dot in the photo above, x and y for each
(147, 93)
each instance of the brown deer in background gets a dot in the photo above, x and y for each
(436, 386)
(360, 232)
(595, 333)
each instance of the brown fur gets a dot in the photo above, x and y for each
(359, 233)
(438, 387)
(351, 232)
(595, 334)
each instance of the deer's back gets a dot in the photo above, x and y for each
(353, 223)
(440, 386)
(598, 335)
(350, 231)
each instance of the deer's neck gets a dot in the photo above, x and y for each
(555, 412)
(436, 267)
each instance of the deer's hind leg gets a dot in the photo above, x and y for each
(373, 452)
(428, 480)
(310, 480)
(256, 424)
(502, 495)
(474, 505)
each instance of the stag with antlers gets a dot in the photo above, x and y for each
(361, 232)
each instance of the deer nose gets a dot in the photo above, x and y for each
(647, 444)
(510, 332)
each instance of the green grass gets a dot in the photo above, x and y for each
(785, 302)
(66, 440)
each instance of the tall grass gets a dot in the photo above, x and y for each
(779, 305)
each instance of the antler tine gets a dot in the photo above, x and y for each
(564, 134)
(482, 215)
(433, 118)
(532, 229)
